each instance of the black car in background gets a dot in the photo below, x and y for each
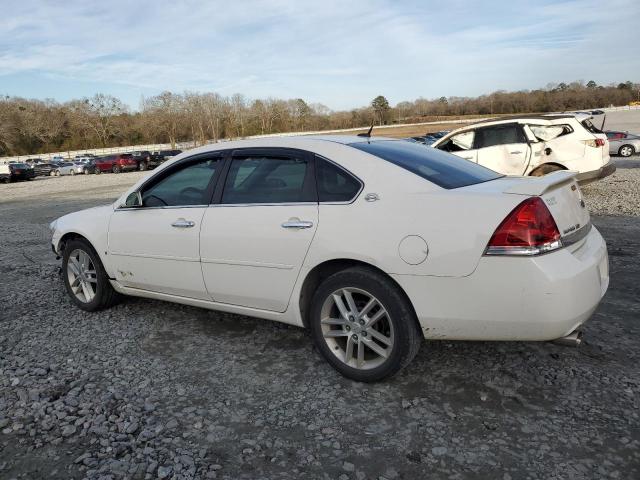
(16, 171)
(164, 155)
(145, 160)
(43, 169)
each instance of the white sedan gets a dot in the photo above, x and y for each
(371, 243)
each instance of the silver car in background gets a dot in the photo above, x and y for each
(624, 144)
(70, 168)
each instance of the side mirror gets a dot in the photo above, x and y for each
(134, 199)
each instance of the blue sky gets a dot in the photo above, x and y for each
(339, 53)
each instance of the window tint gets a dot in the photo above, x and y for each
(443, 169)
(187, 186)
(266, 179)
(499, 135)
(334, 184)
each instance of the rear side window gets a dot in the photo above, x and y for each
(266, 179)
(334, 183)
(499, 135)
(441, 168)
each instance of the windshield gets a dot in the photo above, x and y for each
(444, 169)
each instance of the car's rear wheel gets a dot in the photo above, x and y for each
(626, 151)
(115, 169)
(543, 170)
(98, 171)
(143, 166)
(363, 325)
(84, 277)
(57, 173)
(73, 172)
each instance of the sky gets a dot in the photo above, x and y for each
(338, 53)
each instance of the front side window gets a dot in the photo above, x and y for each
(334, 183)
(499, 135)
(266, 179)
(190, 185)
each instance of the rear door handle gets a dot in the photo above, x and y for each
(182, 223)
(517, 152)
(468, 158)
(299, 224)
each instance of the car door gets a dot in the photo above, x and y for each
(503, 148)
(460, 144)
(156, 245)
(254, 239)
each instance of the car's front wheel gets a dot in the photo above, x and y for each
(85, 278)
(363, 325)
(115, 169)
(626, 150)
(143, 166)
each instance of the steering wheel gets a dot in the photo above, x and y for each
(190, 191)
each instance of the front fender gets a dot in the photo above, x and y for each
(92, 224)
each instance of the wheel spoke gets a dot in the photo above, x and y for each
(350, 302)
(376, 316)
(74, 266)
(341, 307)
(75, 282)
(333, 321)
(367, 308)
(377, 348)
(86, 291)
(360, 360)
(348, 354)
(378, 336)
(335, 333)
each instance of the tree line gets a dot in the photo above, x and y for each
(30, 126)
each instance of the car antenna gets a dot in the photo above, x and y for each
(368, 134)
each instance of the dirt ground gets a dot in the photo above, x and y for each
(155, 390)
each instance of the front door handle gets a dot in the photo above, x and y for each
(517, 152)
(295, 223)
(467, 158)
(182, 223)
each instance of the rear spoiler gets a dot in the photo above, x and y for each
(539, 185)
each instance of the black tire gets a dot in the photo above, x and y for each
(98, 171)
(407, 335)
(73, 172)
(626, 151)
(143, 166)
(105, 295)
(543, 170)
(115, 169)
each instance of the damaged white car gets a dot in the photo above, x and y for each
(534, 145)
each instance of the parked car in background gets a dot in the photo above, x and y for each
(65, 168)
(44, 169)
(58, 159)
(121, 162)
(624, 144)
(145, 160)
(15, 171)
(164, 155)
(84, 157)
(533, 145)
(296, 237)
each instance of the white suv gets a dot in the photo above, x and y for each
(533, 145)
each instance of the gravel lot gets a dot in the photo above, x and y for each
(155, 390)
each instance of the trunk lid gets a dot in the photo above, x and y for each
(562, 196)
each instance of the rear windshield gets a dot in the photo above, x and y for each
(19, 165)
(443, 169)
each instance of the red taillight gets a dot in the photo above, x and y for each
(528, 230)
(599, 142)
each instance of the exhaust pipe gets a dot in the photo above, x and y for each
(574, 339)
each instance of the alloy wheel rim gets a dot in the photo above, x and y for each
(357, 328)
(82, 276)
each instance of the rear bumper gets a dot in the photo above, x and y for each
(509, 298)
(604, 171)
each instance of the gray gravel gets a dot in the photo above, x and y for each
(152, 390)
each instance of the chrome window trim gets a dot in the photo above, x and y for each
(285, 204)
(340, 167)
(165, 207)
